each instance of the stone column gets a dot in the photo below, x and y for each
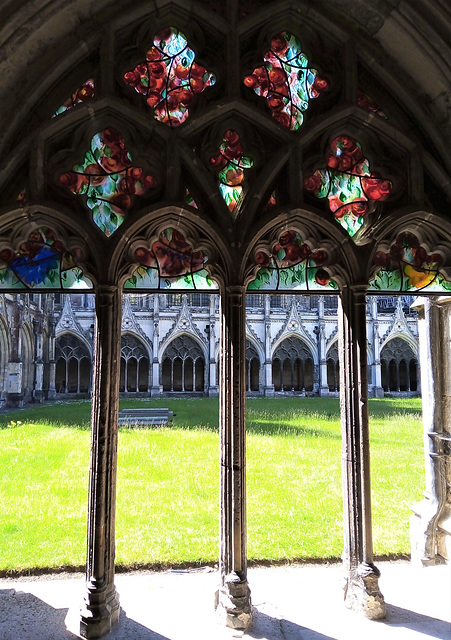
(51, 393)
(378, 391)
(268, 389)
(38, 393)
(431, 523)
(156, 385)
(361, 590)
(212, 386)
(321, 336)
(233, 599)
(101, 607)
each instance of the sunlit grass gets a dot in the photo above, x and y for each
(167, 505)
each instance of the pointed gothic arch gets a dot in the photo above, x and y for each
(403, 133)
(400, 366)
(73, 365)
(135, 367)
(183, 365)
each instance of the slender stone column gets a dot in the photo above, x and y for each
(362, 590)
(212, 386)
(101, 607)
(431, 523)
(233, 597)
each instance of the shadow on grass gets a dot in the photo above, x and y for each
(265, 416)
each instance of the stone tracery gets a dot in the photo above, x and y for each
(282, 159)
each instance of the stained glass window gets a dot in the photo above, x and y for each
(231, 164)
(169, 78)
(292, 265)
(348, 184)
(286, 81)
(189, 199)
(366, 102)
(108, 180)
(407, 266)
(42, 262)
(83, 94)
(22, 197)
(272, 202)
(171, 263)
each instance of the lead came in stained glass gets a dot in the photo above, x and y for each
(169, 79)
(292, 265)
(108, 180)
(83, 94)
(171, 263)
(42, 262)
(286, 81)
(348, 184)
(231, 164)
(366, 102)
(407, 266)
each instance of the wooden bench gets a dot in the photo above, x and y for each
(151, 417)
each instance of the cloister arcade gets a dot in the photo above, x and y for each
(261, 147)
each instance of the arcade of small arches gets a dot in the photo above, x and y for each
(291, 149)
(296, 325)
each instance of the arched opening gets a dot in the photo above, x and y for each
(73, 365)
(293, 366)
(134, 368)
(398, 367)
(183, 369)
(252, 366)
(333, 369)
(369, 173)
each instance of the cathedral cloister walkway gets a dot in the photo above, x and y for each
(289, 604)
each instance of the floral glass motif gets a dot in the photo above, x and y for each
(231, 164)
(292, 265)
(189, 200)
(83, 94)
(22, 197)
(42, 262)
(169, 78)
(108, 180)
(348, 184)
(407, 266)
(171, 263)
(364, 101)
(272, 202)
(286, 81)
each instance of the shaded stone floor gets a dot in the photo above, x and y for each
(290, 603)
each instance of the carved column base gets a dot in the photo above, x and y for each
(99, 613)
(233, 602)
(362, 592)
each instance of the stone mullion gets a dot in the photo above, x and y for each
(362, 590)
(101, 608)
(233, 597)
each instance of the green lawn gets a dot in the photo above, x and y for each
(167, 509)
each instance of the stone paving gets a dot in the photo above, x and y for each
(290, 603)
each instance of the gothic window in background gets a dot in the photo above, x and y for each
(183, 366)
(73, 365)
(134, 376)
(292, 366)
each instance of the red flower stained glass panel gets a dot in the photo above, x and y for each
(169, 78)
(286, 81)
(231, 164)
(108, 179)
(348, 184)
